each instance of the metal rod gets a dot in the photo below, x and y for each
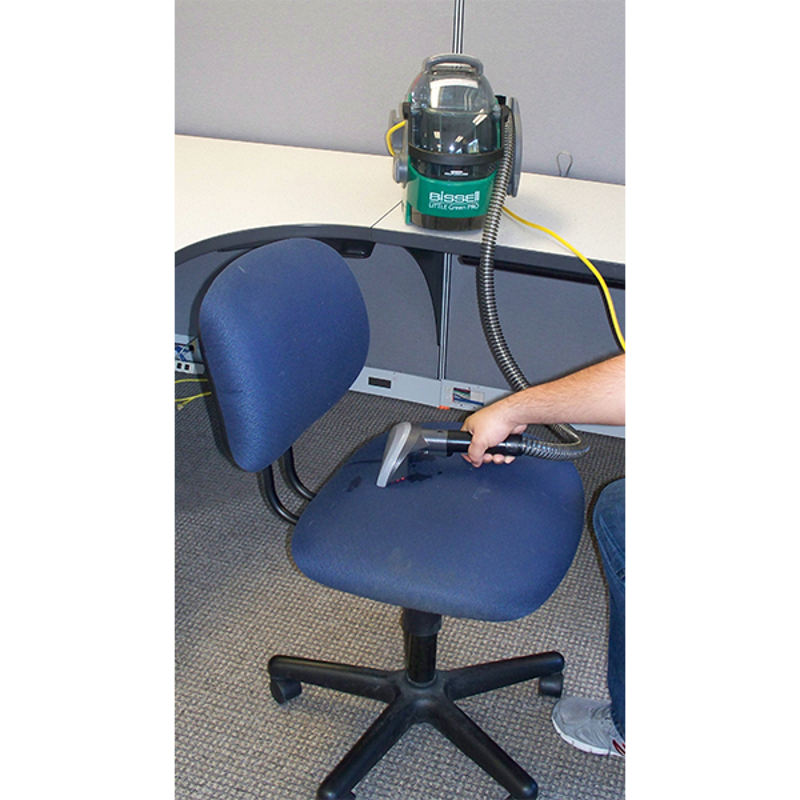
(292, 478)
(444, 321)
(266, 483)
(458, 26)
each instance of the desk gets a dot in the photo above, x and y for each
(228, 193)
(231, 196)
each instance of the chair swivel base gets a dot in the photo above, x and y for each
(419, 693)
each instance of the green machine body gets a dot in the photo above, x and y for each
(452, 144)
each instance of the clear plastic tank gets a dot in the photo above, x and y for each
(453, 109)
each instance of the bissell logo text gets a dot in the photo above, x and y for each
(454, 202)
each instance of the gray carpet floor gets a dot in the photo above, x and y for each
(240, 599)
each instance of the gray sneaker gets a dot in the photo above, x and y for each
(587, 725)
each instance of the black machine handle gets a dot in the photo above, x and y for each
(453, 58)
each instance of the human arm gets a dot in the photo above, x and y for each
(594, 395)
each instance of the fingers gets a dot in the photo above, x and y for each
(488, 458)
(489, 428)
(477, 455)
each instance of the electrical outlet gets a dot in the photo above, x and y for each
(463, 397)
(189, 367)
(187, 356)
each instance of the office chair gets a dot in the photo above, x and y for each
(284, 333)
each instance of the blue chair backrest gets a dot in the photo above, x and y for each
(284, 333)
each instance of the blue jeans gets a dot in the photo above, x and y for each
(609, 527)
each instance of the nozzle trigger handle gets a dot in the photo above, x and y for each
(459, 442)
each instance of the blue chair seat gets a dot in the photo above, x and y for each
(491, 543)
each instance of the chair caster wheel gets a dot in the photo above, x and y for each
(284, 689)
(552, 685)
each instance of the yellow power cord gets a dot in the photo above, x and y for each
(609, 302)
(389, 136)
(185, 400)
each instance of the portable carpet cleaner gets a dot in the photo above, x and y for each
(452, 144)
(461, 154)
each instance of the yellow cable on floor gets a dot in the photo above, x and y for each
(185, 400)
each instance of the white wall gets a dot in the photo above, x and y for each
(327, 73)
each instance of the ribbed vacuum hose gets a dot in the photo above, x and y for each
(572, 447)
